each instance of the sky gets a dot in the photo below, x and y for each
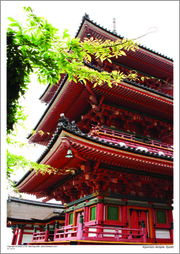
(133, 19)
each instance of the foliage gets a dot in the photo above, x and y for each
(15, 162)
(37, 48)
(17, 80)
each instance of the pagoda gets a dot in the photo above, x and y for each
(113, 151)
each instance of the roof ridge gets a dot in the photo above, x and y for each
(60, 206)
(86, 17)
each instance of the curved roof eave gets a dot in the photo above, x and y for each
(144, 87)
(48, 86)
(49, 105)
(73, 129)
(86, 17)
(36, 203)
(133, 83)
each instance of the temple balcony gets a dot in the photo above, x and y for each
(95, 233)
(92, 232)
(130, 140)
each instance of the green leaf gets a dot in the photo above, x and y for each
(65, 34)
(122, 53)
(14, 24)
(12, 20)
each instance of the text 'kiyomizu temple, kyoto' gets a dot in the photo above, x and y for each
(113, 148)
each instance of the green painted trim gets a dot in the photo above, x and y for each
(162, 207)
(79, 206)
(161, 216)
(115, 202)
(91, 202)
(69, 210)
(93, 213)
(100, 200)
(136, 204)
(113, 213)
(81, 199)
(71, 218)
(83, 204)
(130, 201)
(95, 202)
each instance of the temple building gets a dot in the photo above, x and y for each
(25, 216)
(113, 151)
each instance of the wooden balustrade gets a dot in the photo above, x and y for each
(68, 232)
(44, 236)
(119, 234)
(86, 232)
(132, 141)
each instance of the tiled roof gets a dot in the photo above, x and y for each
(45, 91)
(86, 17)
(33, 202)
(64, 124)
(51, 102)
(72, 128)
(98, 69)
(133, 82)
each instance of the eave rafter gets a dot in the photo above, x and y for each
(124, 159)
(142, 58)
(91, 180)
(136, 96)
(100, 111)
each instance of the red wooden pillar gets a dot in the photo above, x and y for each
(170, 220)
(172, 231)
(15, 236)
(152, 222)
(170, 216)
(46, 233)
(80, 228)
(66, 219)
(20, 235)
(100, 215)
(86, 217)
(124, 216)
(124, 212)
(143, 228)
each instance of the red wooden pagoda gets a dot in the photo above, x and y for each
(113, 148)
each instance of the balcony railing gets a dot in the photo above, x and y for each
(91, 232)
(42, 236)
(126, 139)
(85, 231)
(99, 233)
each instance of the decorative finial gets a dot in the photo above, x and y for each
(86, 16)
(114, 25)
